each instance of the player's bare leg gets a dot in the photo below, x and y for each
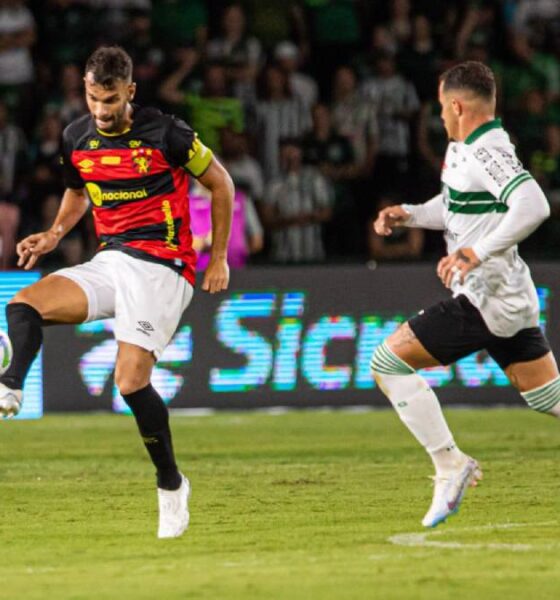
(57, 299)
(53, 299)
(132, 377)
(394, 366)
(404, 343)
(538, 381)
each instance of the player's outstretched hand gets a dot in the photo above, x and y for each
(458, 264)
(390, 217)
(216, 277)
(33, 246)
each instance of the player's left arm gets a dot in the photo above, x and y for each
(184, 149)
(527, 207)
(218, 181)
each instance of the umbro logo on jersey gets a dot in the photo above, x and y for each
(145, 327)
(86, 165)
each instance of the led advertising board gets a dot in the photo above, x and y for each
(283, 337)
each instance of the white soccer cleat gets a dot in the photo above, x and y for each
(174, 510)
(10, 401)
(449, 491)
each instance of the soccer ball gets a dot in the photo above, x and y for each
(6, 352)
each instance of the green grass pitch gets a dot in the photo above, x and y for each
(303, 505)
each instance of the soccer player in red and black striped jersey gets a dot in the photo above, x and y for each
(132, 164)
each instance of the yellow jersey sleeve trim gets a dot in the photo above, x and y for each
(200, 158)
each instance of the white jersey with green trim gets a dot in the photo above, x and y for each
(478, 177)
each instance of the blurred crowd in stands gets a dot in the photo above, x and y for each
(322, 110)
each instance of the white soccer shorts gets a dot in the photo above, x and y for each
(146, 299)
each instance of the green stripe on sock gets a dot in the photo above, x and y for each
(389, 357)
(387, 362)
(546, 406)
(378, 361)
(553, 398)
(553, 385)
(384, 371)
(544, 398)
(399, 361)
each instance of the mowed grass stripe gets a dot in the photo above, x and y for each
(294, 506)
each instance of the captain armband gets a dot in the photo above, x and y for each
(199, 159)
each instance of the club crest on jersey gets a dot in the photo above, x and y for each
(134, 144)
(94, 144)
(142, 160)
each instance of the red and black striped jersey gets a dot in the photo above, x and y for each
(137, 182)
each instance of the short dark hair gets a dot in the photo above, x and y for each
(470, 75)
(109, 64)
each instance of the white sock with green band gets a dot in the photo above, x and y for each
(417, 407)
(546, 398)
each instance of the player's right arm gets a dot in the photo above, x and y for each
(429, 215)
(389, 217)
(72, 208)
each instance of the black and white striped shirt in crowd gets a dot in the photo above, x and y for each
(277, 119)
(296, 194)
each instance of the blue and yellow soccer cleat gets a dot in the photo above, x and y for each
(449, 491)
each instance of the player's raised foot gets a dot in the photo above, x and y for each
(10, 401)
(174, 510)
(449, 491)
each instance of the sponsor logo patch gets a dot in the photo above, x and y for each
(168, 215)
(110, 160)
(98, 196)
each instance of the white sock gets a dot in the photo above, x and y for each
(419, 409)
(546, 398)
(555, 410)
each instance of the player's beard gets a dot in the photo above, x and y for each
(115, 124)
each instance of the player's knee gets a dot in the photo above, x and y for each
(546, 398)
(24, 296)
(385, 362)
(131, 376)
(128, 383)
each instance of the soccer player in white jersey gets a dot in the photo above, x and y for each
(488, 204)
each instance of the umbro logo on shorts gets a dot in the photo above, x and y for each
(145, 327)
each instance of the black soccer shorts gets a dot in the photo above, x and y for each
(454, 328)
